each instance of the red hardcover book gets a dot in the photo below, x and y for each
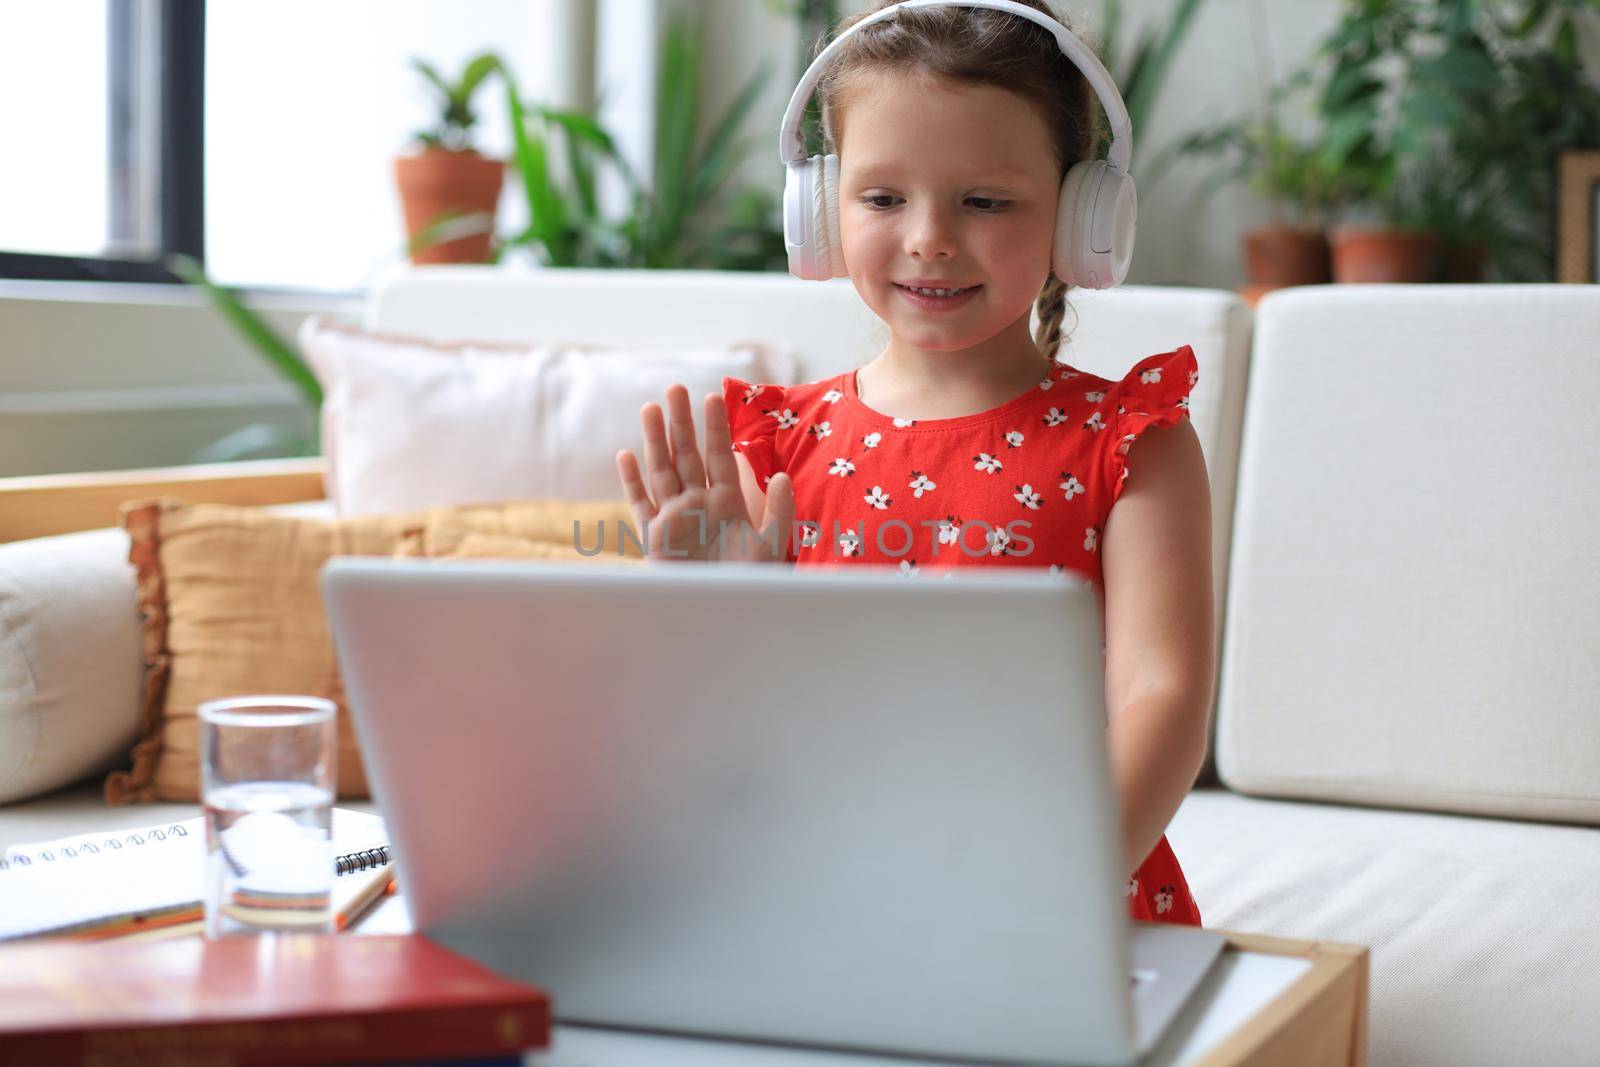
(298, 999)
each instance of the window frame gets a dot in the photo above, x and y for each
(180, 177)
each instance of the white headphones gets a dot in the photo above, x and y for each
(1094, 224)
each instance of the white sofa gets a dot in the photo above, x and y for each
(1406, 493)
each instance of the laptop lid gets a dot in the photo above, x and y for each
(832, 807)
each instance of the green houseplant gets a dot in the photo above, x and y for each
(683, 218)
(1444, 121)
(448, 191)
(1287, 172)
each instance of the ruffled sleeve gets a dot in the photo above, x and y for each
(1154, 393)
(753, 412)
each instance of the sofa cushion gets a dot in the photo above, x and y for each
(409, 424)
(231, 603)
(1412, 610)
(69, 660)
(1481, 931)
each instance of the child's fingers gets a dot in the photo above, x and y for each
(724, 469)
(664, 483)
(639, 502)
(780, 511)
(685, 450)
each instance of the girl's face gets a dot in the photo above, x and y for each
(945, 186)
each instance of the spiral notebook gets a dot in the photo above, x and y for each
(132, 881)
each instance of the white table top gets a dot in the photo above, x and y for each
(1241, 984)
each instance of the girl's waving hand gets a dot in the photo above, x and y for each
(694, 507)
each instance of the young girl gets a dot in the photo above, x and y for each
(964, 443)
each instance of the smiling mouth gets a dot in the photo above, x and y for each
(936, 292)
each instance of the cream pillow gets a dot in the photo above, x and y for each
(409, 424)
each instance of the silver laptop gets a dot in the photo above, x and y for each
(833, 807)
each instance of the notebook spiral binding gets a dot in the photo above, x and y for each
(360, 861)
(89, 848)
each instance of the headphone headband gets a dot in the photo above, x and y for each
(791, 145)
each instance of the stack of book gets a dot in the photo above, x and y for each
(261, 999)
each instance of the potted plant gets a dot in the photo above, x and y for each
(1291, 247)
(683, 219)
(1386, 236)
(447, 190)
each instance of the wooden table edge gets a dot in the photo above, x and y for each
(1333, 964)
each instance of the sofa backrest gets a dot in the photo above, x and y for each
(830, 329)
(1414, 605)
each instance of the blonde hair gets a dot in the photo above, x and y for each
(977, 46)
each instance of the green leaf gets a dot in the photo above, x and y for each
(274, 349)
(1154, 61)
(478, 69)
(427, 70)
(677, 111)
(259, 440)
(721, 155)
(450, 226)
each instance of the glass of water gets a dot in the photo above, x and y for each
(267, 781)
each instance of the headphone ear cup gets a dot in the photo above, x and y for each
(1095, 223)
(830, 249)
(1064, 258)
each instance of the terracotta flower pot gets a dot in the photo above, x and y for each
(437, 181)
(1382, 255)
(1278, 256)
(1463, 263)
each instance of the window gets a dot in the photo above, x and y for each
(259, 136)
(103, 103)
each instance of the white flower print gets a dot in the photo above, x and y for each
(1014, 438)
(1028, 498)
(832, 396)
(1068, 375)
(1070, 485)
(1046, 384)
(903, 423)
(842, 467)
(1127, 443)
(878, 498)
(751, 393)
(1163, 900)
(1194, 376)
(1057, 571)
(1095, 423)
(1054, 417)
(1132, 888)
(1183, 402)
(1151, 375)
(949, 530)
(850, 544)
(787, 419)
(985, 463)
(1091, 537)
(999, 540)
(821, 430)
(908, 568)
(872, 439)
(809, 533)
(919, 484)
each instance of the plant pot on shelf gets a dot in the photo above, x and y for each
(1362, 254)
(1462, 262)
(439, 182)
(1276, 257)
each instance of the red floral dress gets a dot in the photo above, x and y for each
(1027, 484)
